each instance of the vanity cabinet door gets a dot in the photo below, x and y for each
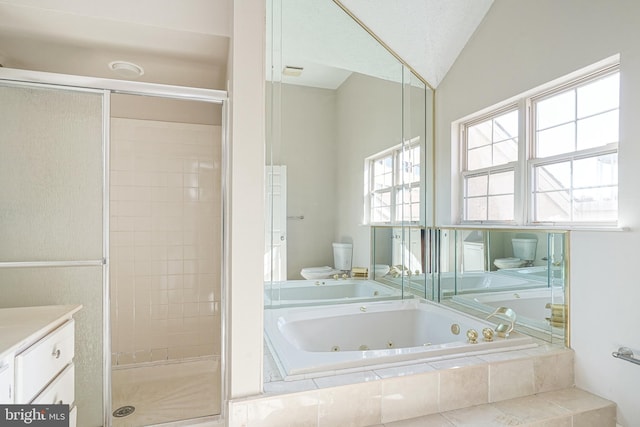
(6, 380)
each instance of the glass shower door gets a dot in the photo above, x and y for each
(52, 218)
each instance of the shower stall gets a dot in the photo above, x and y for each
(112, 198)
(165, 242)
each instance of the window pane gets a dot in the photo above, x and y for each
(407, 195)
(553, 177)
(598, 130)
(500, 208)
(555, 110)
(502, 183)
(381, 207)
(479, 158)
(479, 135)
(601, 95)
(505, 126)
(554, 206)
(382, 173)
(476, 185)
(600, 204)
(408, 204)
(476, 209)
(557, 140)
(411, 165)
(505, 152)
(596, 171)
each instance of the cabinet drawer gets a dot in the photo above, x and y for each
(6, 380)
(60, 391)
(40, 363)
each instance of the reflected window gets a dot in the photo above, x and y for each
(564, 156)
(393, 181)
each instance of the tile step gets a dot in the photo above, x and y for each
(569, 407)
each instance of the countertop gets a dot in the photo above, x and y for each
(22, 326)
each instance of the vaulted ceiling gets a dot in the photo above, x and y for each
(186, 42)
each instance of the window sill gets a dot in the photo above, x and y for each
(536, 227)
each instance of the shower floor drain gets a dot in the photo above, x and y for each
(123, 411)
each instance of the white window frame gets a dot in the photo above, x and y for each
(396, 154)
(527, 162)
(533, 161)
(490, 170)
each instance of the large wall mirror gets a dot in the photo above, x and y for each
(481, 270)
(349, 186)
(349, 144)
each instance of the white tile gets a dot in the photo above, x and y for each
(409, 397)
(463, 387)
(575, 399)
(435, 420)
(278, 411)
(404, 370)
(510, 379)
(457, 363)
(531, 409)
(350, 405)
(554, 371)
(339, 380)
(280, 387)
(484, 415)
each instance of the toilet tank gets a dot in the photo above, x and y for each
(342, 253)
(524, 249)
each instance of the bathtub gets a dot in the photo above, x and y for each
(489, 281)
(327, 291)
(314, 342)
(529, 305)
(451, 283)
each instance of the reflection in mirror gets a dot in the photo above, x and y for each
(481, 270)
(402, 259)
(347, 144)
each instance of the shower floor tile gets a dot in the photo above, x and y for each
(166, 393)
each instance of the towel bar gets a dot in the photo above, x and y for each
(625, 353)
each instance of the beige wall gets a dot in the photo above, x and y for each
(165, 109)
(165, 240)
(520, 45)
(309, 150)
(325, 137)
(370, 121)
(246, 160)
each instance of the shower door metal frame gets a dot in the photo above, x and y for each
(107, 87)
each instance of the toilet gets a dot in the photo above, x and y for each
(524, 253)
(342, 254)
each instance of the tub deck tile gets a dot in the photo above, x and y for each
(346, 379)
(402, 371)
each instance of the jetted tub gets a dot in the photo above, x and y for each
(314, 342)
(490, 281)
(529, 305)
(326, 291)
(472, 282)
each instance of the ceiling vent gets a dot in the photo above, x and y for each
(126, 69)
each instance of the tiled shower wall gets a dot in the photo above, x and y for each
(165, 240)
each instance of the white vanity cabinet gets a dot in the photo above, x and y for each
(6, 380)
(36, 356)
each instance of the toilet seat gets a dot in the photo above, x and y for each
(315, 273)
(510, 262)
